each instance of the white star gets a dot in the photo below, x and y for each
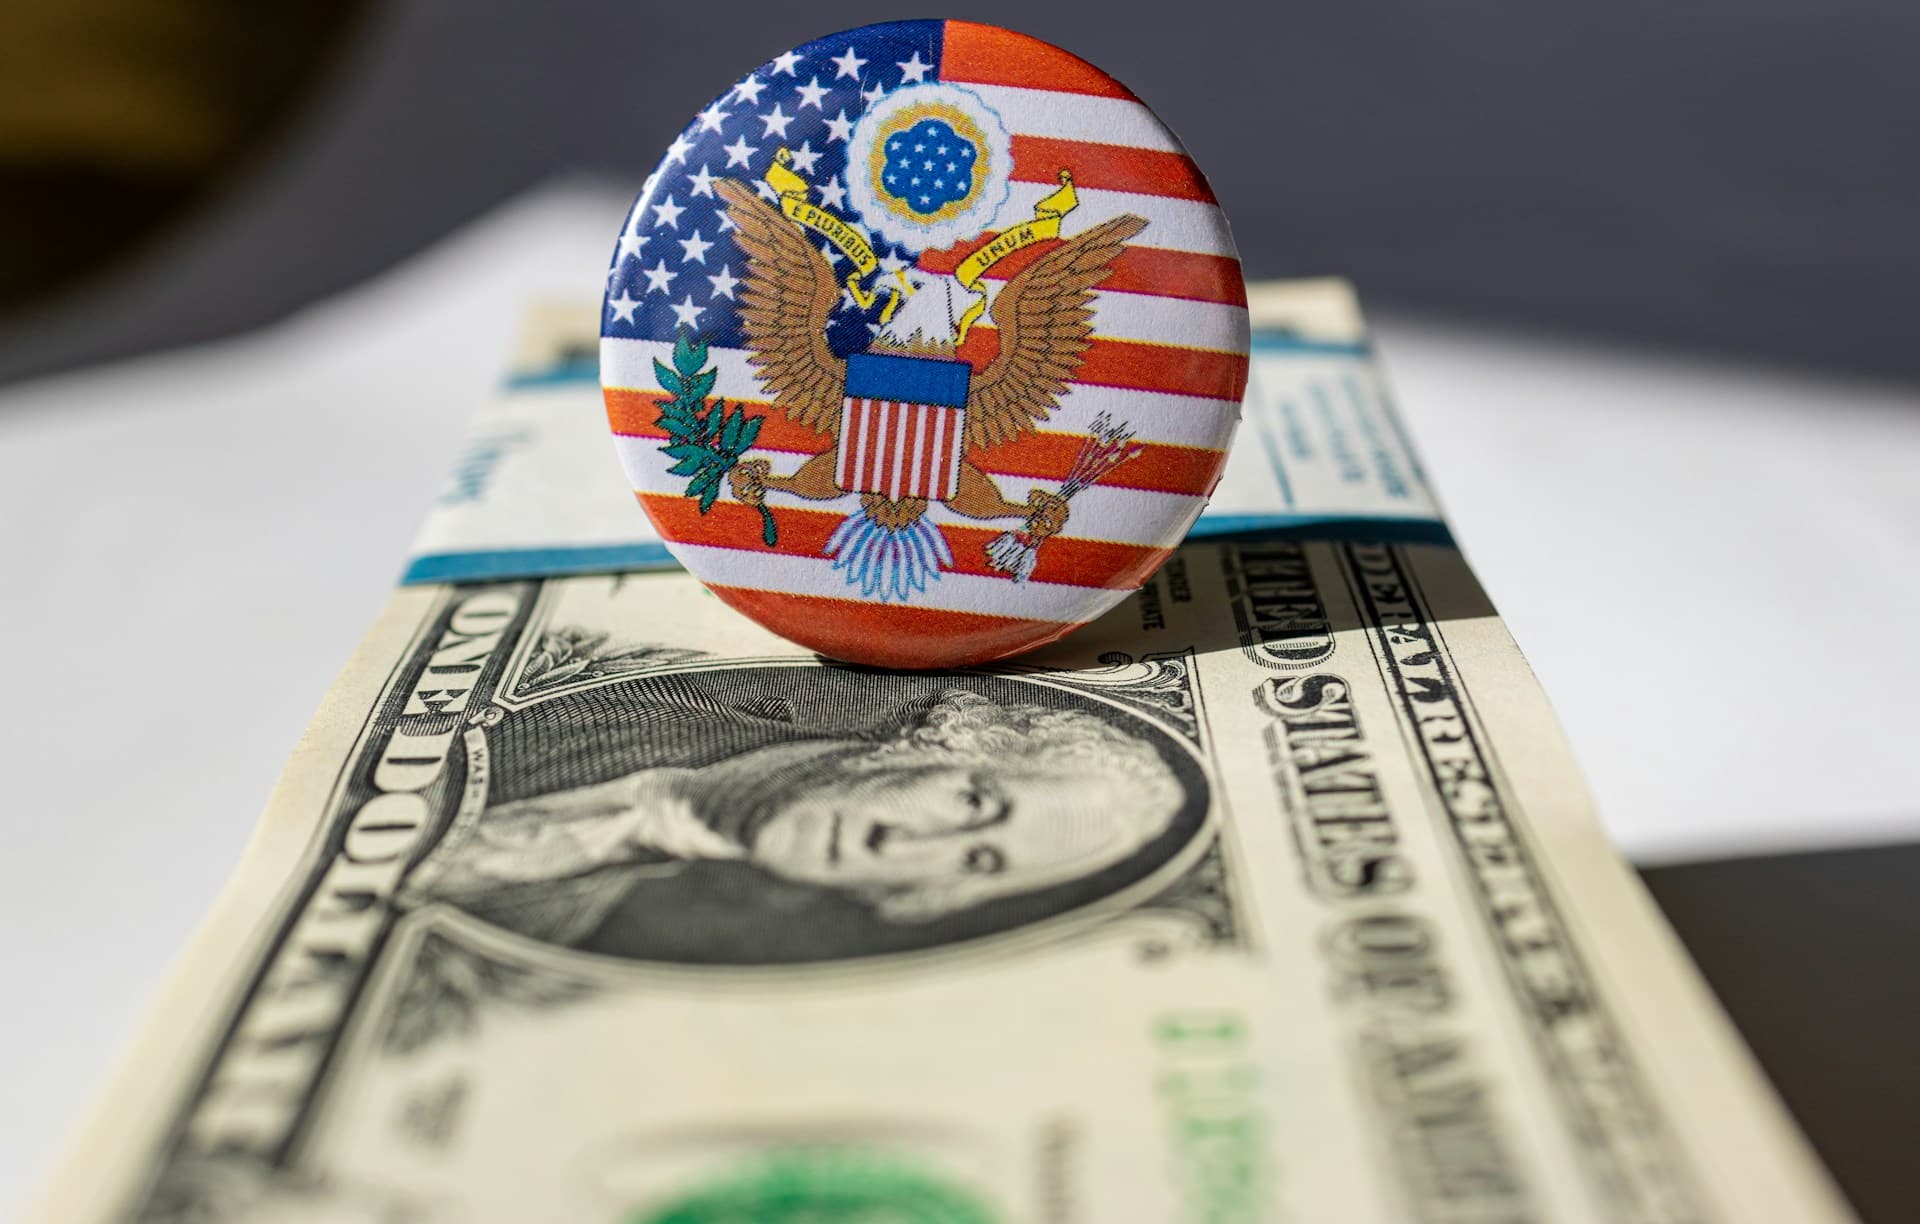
(658, 278)
(849, 64)
(723, 282)
(737, 152)
(913, 70)
(685, 312)
(892, 263)
(667, 213)
(766, 190)
(696, 248)
(873, 95)
(785, 63)
(630, 245)
(832, 194)
(678, 149)
(776, 121)
(726, 223)
(804, 157)
(840, 127)
(712, 117)
(811, 93)
(702, 181)
(749, 89)
(623, 306)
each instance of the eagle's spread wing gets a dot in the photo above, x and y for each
(1045, 317)
(785, 300)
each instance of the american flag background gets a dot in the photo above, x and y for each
(1170, 325)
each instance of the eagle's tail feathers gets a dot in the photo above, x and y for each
(888, 563)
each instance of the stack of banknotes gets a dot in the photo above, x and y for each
(1274, 895)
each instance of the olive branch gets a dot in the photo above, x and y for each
(705, 440)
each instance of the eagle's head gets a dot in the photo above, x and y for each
(927, 317)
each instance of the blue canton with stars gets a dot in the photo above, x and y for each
(929, 166)
(677, 266)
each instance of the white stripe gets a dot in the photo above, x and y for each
(909, 417)
(763, 570)
(1121, 516)
(917, 479)
(1070, 116)
(859, 443)
(1118, 516)
(1140, 318)
(1178, 420)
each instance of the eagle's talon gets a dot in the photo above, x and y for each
(748, 480)
(1046, 514)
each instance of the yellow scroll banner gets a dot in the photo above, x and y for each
(1044, 226)
(844, 235)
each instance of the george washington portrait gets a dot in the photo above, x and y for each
(784, 815)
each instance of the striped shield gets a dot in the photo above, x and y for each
(902, 430)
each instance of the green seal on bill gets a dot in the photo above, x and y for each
(824, 1186)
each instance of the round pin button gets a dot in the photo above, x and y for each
(924, 344)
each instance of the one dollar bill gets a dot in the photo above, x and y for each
(1272, 896)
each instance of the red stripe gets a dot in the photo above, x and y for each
(1190, 470)
(1149, 270)
(1134, 366)
(883, 457)
(844, 474)
(898, 473)
(870, 443)
(803, 533)
(863, 442)
(1105, 167)
(891, 635)
(1179, 274)
(987, 55)
(931, 478)
(1047, 455)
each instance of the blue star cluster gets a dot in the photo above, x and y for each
(929, 166)
(677, 266)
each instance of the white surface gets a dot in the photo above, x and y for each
(1712, 568)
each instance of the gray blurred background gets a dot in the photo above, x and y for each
(1735, 177)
